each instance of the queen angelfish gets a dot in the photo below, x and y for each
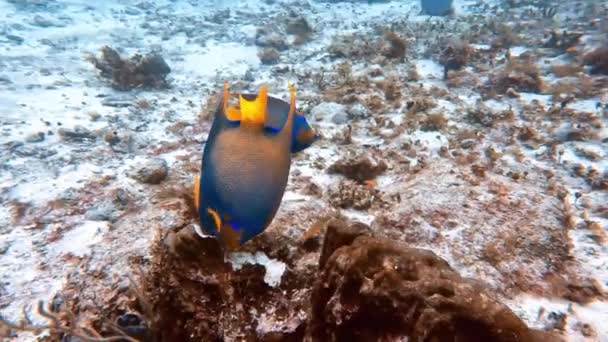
(246, 163)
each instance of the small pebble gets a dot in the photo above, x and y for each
(35, 137)
(150, 171)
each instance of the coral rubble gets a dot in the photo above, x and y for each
(137, 71)
(377, 289)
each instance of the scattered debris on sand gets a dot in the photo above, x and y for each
(363, 288)
(358, 167)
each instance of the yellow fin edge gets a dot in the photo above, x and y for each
(216, 219)
(197, 182)
(292, 99)
(255, 111)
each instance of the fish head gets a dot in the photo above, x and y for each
(303, 135)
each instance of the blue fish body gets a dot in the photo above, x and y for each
(436, 7)
(245, 167)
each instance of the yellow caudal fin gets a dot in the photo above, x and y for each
(252, 112)
(255, 111)
(197, 182)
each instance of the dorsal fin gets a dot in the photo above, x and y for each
(292, 104)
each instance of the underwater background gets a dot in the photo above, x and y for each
(458, 188)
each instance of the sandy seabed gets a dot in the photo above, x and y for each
(481, 136)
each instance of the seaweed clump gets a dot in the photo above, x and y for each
(563, 41)
(504, 38)
(455, 56)
(149, 71)
(358, 46)
(300, 28)
(396, 46)
(352, 46)
(198, 296)
(359, 168)
(519, 75)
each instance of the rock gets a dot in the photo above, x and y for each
(339, 118)
(220, 16)
(150, 171)
(105, 211)
(358, 111)
(132, 11)
(134, 326)
(14, 38)
(33, 4)
(117, 102)
(94, 116)
(299, 27)
(327, 110)
(270, 40)
(248, 77)
(35, 137)
(269, 56)
(77, 134)
(350, 194)
(373, 289)
(145, 5)
(17, 26)
(42, 21)
(339, 233)
(468, 143)
(282, 69)
(4, 246)
(358, 167)
(31, 151)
